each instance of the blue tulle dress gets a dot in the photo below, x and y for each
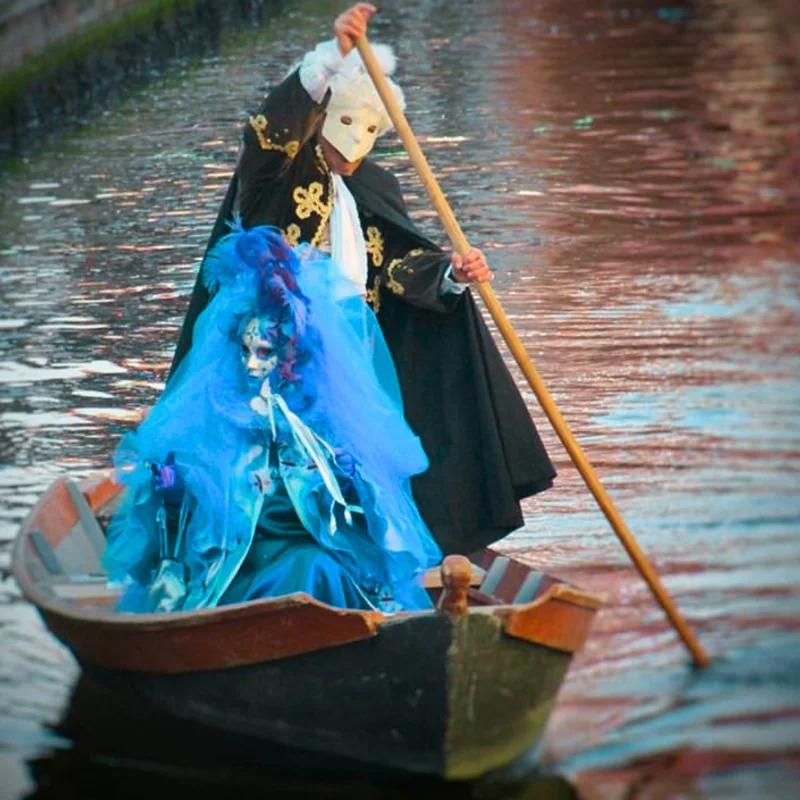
(285, 448)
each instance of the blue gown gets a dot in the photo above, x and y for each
(263, 505)
(284, 558)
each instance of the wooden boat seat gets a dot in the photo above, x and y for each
(87, 590)
(80, 550)
(494, 575)
(529, 589)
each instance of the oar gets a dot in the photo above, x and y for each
(526, 365)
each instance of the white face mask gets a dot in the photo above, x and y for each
(258, 353)
(351, 130)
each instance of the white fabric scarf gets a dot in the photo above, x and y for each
(348, 249)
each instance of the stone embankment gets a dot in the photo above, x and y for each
(61, 59)
(31, 27)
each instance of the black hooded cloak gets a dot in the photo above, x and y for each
(485, 453)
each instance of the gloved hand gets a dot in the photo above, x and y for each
(167, 479)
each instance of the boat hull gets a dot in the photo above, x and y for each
(467, 702)
(456, 693)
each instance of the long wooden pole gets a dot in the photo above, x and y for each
(526, 365)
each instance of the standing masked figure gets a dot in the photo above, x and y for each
(303, 168)
(278, 459)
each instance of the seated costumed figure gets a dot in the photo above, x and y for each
(277, 460)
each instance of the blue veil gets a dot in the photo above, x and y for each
(344, 389)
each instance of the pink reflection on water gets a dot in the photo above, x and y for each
(632, 171)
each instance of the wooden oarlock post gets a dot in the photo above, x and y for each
(526, 365)
(456, 575)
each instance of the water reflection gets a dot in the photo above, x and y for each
(632, 171)
(119, 749)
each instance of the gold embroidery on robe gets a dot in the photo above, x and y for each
(309, 200)
(259, 124)
(392, 284)
(321, 162)
(322, 233)
(374, 245)
(323, 239)
(292, 234)
(373, 295)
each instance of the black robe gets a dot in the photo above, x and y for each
(485, 453)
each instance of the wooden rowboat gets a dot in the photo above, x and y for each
(456, 692)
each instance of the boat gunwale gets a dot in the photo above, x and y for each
(63, 608)
(509, 614)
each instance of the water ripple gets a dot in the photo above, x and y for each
(631, 171)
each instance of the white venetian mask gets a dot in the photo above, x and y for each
(258, 354)
(352, 130)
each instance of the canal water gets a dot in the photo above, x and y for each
(632, 172)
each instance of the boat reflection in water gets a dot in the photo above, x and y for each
(121, 749)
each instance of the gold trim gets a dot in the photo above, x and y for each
(374, 245)
(321, 162)
(259, 124)
(392, 284)
(323, 239)
(309, 200)
(292, 234)
(373, 295)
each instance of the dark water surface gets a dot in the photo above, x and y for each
(633, 172)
